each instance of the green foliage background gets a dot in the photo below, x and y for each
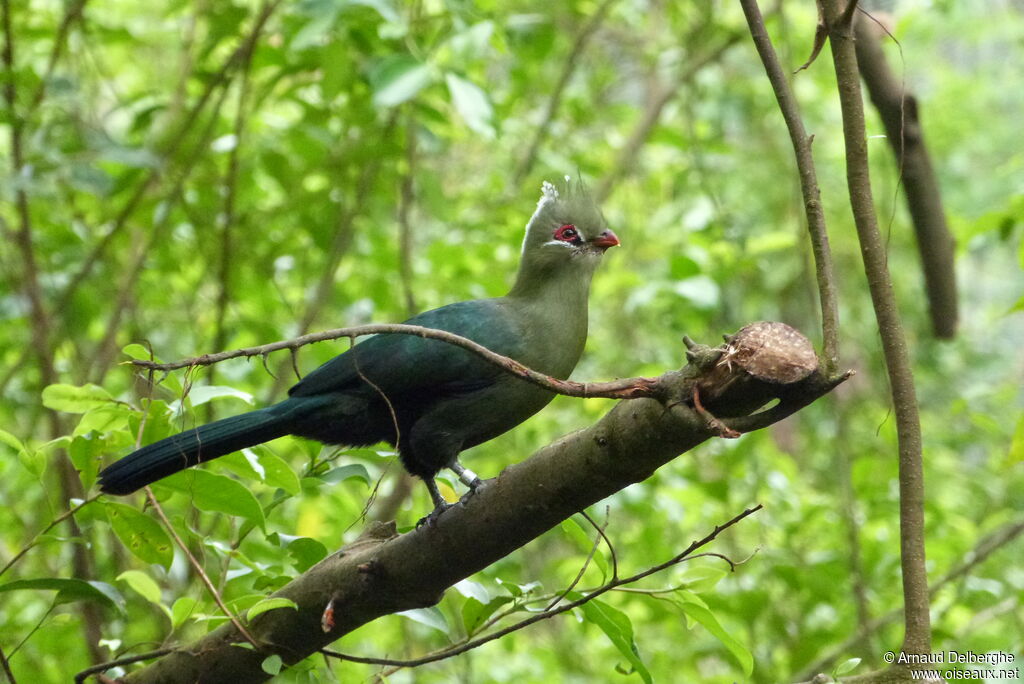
(189, 200)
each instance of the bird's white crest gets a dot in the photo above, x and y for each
(548, 192)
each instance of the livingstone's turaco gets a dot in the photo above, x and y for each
(444, 399)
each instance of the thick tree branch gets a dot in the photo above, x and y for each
(894, 345)
(808, 182)
(383, 573)
(899, 113)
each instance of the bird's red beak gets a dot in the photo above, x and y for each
(605, 240)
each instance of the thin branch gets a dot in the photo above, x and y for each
(808, 182)
(406, 199)
(572, 60)
(903, 129)
(629, 388)
(71, 14)
(53, 523)
(645, 126)
(218, 79)
(894, 345)
(119, 222)
(981, 552)
(344, 234)
(476, 643)
(583, 568)
(607, 541)
(228, 212)
(198, 567)
(7, 667)
(105, 350)
(127, 660)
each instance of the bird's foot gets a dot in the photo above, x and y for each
(431, 518)
(475, 486)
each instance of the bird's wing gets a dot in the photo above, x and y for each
(405, 365)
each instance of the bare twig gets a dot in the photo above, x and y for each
(897, 359)
(228, 212)
(53, 523)
(344, 234)
(629, 388)
(72, 13)
(808, 183)
(476, 643)
(406, 199)
(583, 568)
(587, 31)
(95, 255)
(127, 660)
(981, 552)
(198, 567)
(899, 113)
(607, 541)
(7, 667)
(650, 117)
(41, 322)
(105, 350)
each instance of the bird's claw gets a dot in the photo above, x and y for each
(474, 487)
(430, 519)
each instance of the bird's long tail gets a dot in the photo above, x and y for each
(204, 443)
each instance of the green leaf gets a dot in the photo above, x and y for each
(347, 472)
(182, 610)
(104, 419)
(519, 590)
(706, 618)
(617, 627)
(69, 590)
(211, 492)
(1017, 442)
(277, 473)
(431, 617)
(475, 613)
(471, 589)
(270, 604)
(12, 441)
(272, 664)
(397, 79)
(143, 536)
(702, 578)
(471, 103)
(143, 585)
(72, 399)
(307, 552)
(581, 534)
(137, 351)
(846, 666)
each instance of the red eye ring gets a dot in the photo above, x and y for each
(568, 233)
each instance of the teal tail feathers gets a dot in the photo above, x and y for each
(204, 443)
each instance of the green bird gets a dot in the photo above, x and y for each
(428, 398)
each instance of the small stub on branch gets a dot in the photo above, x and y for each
(772, 352)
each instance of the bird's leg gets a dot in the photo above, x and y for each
(440, 505)
(466, 476)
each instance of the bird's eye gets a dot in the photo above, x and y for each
(568, 233)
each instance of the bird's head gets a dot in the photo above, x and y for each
(565, 239)
(567, 227)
